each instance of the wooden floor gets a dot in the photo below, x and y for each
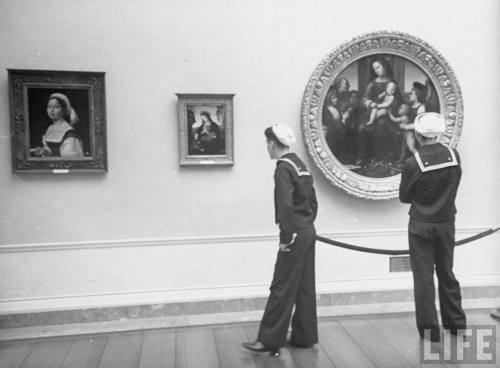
(368, 341)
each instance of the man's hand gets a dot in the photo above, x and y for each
(284, 247)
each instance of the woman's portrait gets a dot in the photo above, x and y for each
(58, 123)
(368, 113)
(206, 130)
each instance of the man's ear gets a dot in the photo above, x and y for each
(418, 137)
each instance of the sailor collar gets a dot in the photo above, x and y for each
(430, 160)
(299, 169)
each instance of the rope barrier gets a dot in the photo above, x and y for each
(398, 251)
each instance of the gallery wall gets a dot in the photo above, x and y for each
(150, 227)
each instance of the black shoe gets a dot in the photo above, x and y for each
(455, 330)
(259, 347)
(434, 335)
(432, 339)
(298, 345)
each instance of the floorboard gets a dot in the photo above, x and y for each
(228, 341)
(404, 339)
(158, 349)
(13, 354)
(373, 344)
(47, 354)
(342, 350)
(85, 353)
(122, 350)
(377, 341)
(195, 347)
(311, 358)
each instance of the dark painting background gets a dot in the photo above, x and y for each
(39, 121)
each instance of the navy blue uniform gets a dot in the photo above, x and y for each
(429, 181)
(294, 273)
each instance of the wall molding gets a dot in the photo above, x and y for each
(205, 240)
(401, 282)
(196, 295)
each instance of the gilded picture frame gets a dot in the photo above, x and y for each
(359, 104)
(58, 121)
(205, 129)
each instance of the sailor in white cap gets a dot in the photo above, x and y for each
(429, 181)
(294, 274)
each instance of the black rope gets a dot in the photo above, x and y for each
(477, 236)
(398, 251)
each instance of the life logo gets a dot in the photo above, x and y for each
(473, 345)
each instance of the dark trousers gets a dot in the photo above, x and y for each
(431, 245)
(293, 284)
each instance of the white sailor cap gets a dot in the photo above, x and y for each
(284, 134)
(430, 124)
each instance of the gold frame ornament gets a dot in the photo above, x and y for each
(393, 44)
(85, 98)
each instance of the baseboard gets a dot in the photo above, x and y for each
(126, 318)
(95, 328)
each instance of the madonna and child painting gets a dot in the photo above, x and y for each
(369, 110)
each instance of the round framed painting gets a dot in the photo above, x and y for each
(359, 105)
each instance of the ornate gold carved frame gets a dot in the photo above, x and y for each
(29, 92)
(403, 45)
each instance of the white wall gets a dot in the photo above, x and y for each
(262, 51)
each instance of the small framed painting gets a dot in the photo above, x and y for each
(58, 121)
(205, 129)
